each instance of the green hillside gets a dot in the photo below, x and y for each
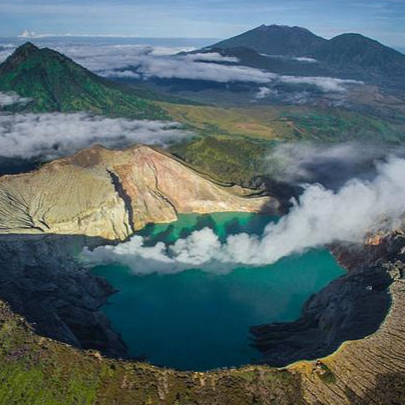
(235, 141)
(56, 83)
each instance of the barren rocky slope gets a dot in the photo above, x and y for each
(110, 194)
(95, 197)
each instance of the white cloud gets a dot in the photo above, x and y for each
(198, 249)
(178, 67)
(304, 97)
(197, 67)
(300, 97)
(297, 58)
(327, 84)
(123, 74)
(57, 134)
(27, 34)
(170, 68)
(5, 53)
(34, 35)
(305, 59)
(99, 58)
(128, 61)
(210, 57)
(121, 60)
(10, 98)
(320, 217)
(307, 161)
(265, 92)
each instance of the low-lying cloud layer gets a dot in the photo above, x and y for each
(131, 60)
(327, 84)
(52, 135)
(296, 58)
(217, 68)
(331, 165)
(142, 62)
(320, 217)
(10, 98)
(304, 97)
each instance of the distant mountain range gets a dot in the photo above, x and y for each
(55, 83)
(230, 142)
(276, 40)
(347, 55)
(365, 56)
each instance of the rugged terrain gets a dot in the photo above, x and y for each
(97, 196)
(366, 371)
(110, 194)
(56, 347)
(358, 317)
(231, 144)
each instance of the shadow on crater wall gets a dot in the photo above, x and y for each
(42, 280)
(349, 308)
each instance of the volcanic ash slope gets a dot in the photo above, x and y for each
(112, 193)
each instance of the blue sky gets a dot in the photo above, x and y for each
(380, 19)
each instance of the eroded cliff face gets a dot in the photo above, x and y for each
(41, 279)
(94, 197)
(110, 194)
(359, 318)
(369, 371)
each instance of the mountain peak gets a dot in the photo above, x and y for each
(278, 27)
(352, 36)
(28, 53)
(22, 53)
(366, 57)
(26, 49)
(28, 46)
(56, 83)
(275, 40)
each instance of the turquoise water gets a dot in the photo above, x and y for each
(199, 321)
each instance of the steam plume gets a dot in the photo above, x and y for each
(320, 217)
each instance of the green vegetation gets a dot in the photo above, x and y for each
(36, 370)
(233, 142)
(233, 160)
(288, 123)
(56, 83)
(339, 125)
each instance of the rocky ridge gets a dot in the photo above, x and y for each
(358, 317)
(110, 194)
(361, 372)
(98, 196)
(370, 370)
